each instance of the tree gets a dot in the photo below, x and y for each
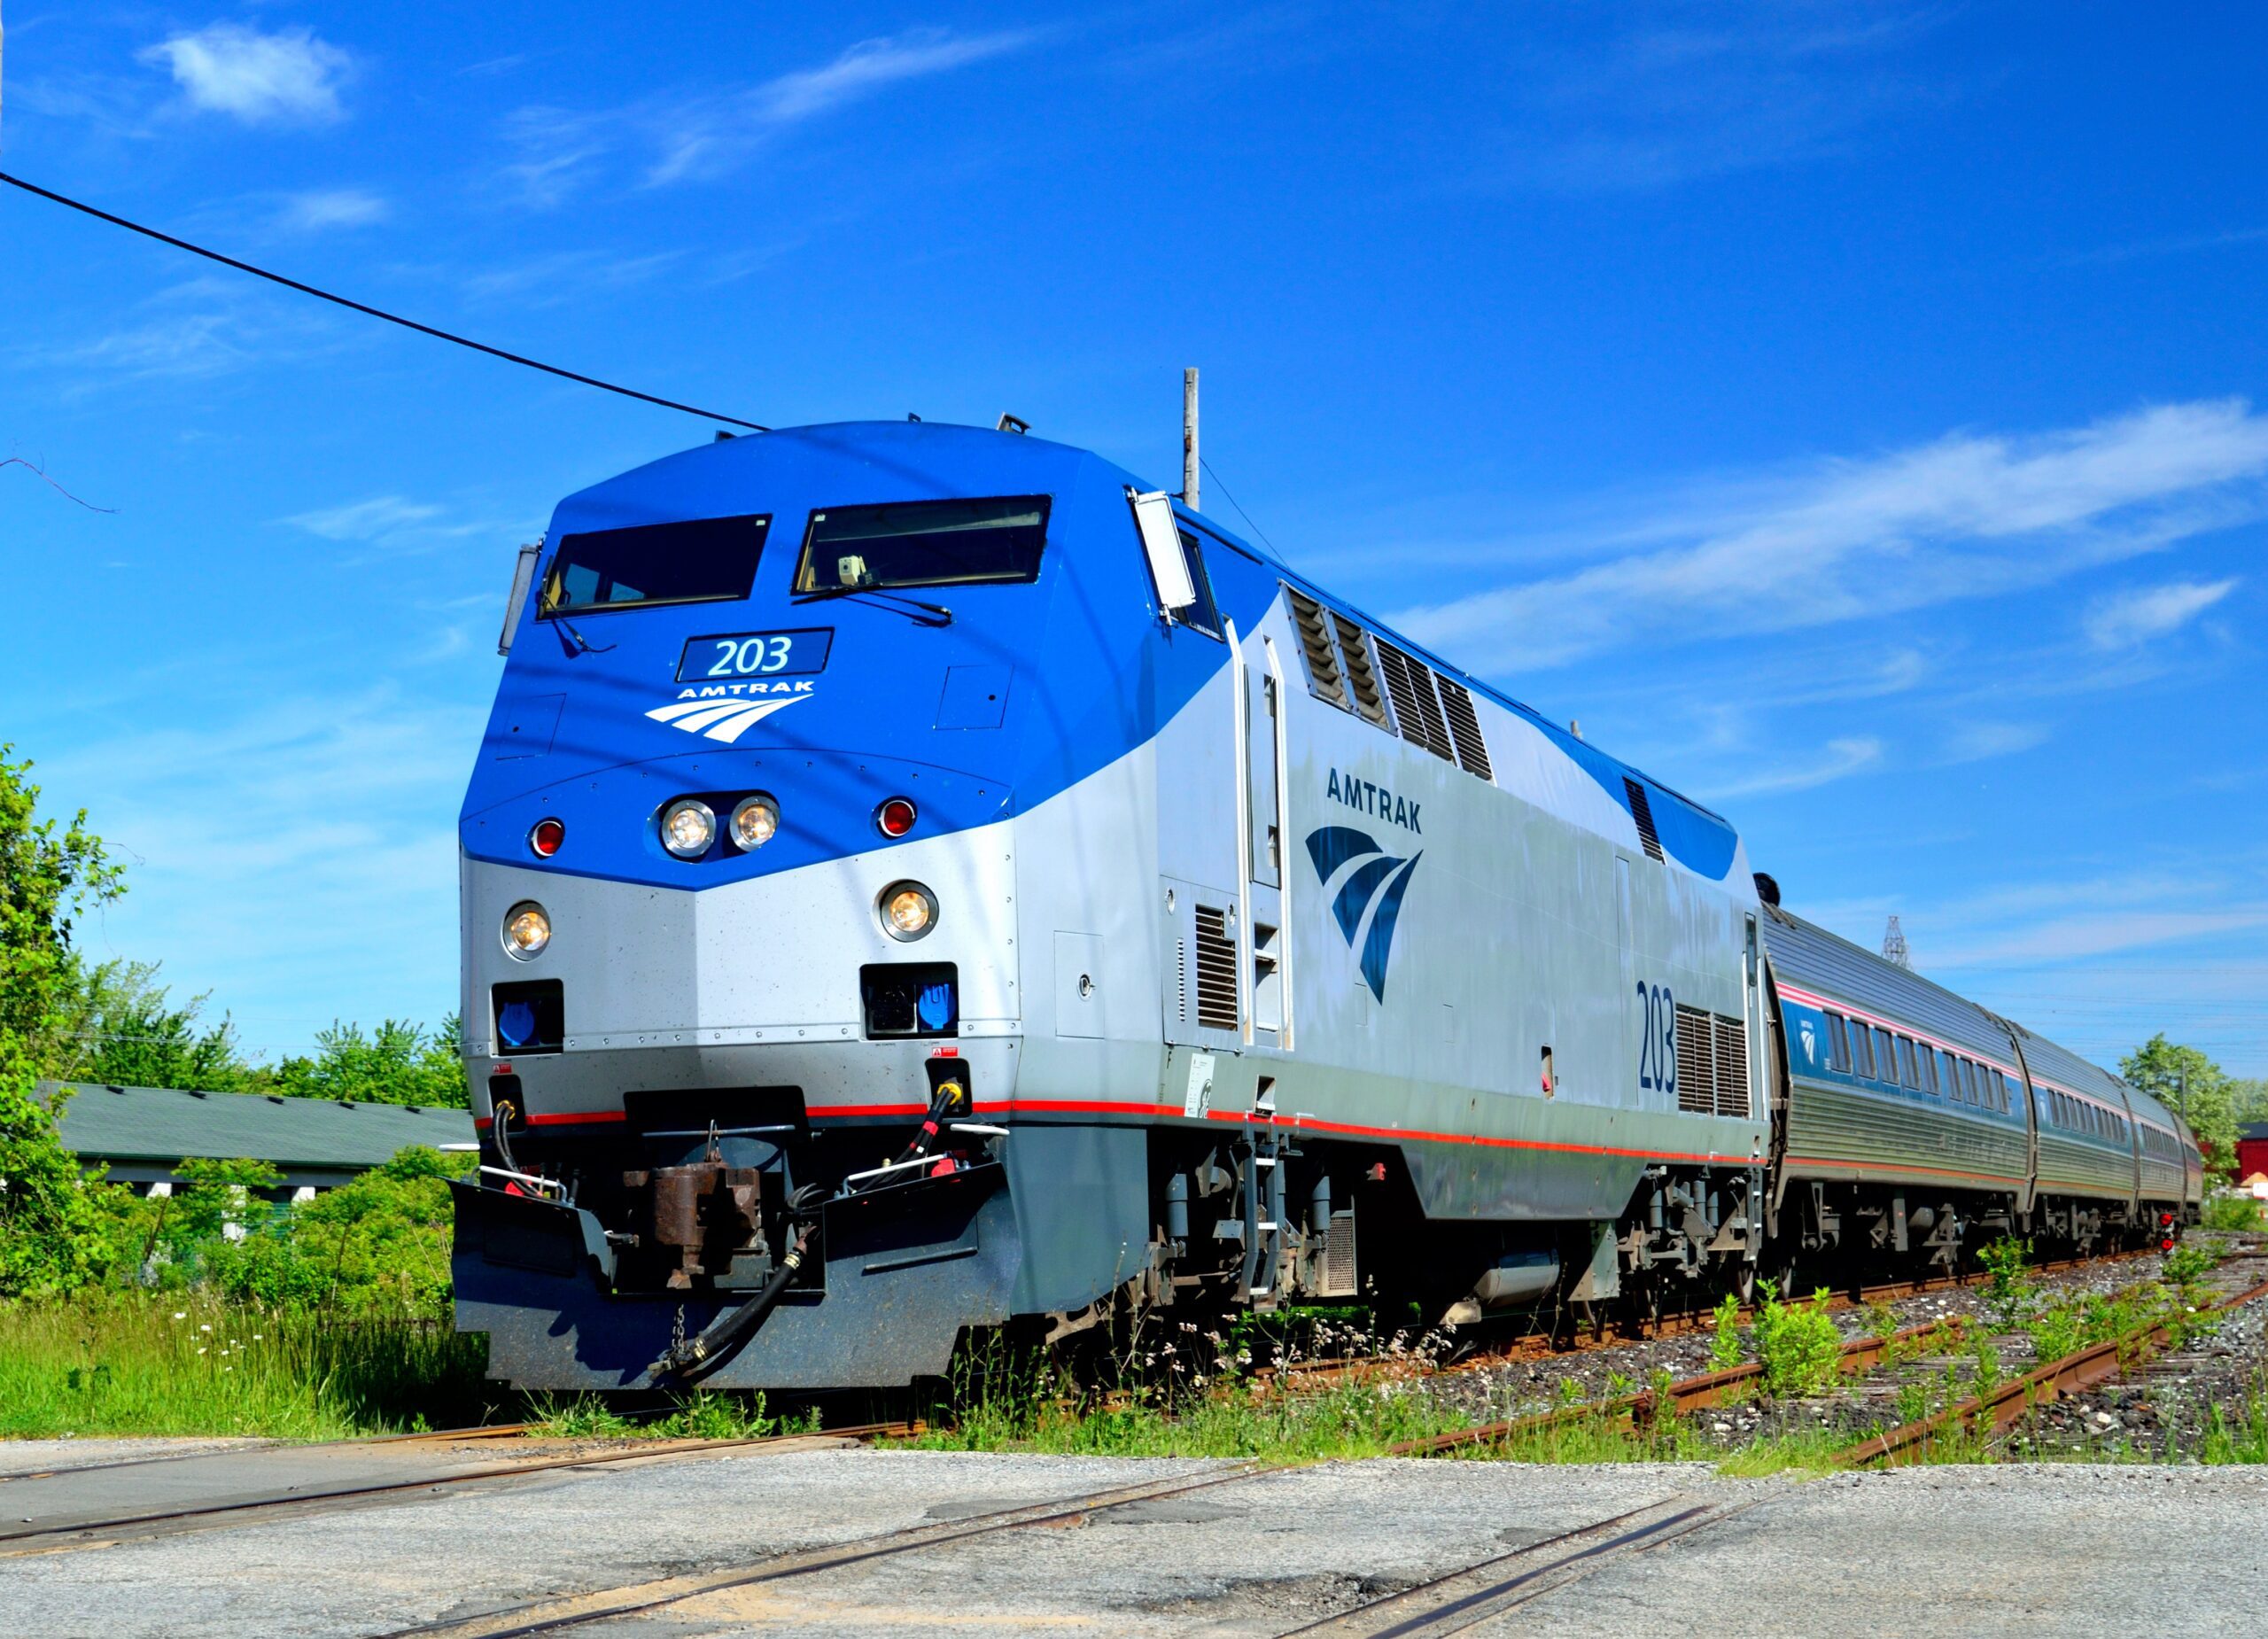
(397, 1064)
(2186, 1081)
(52, 1235)
(123, 1029)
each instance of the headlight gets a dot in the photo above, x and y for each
(528, 930)
(755, 819)
(908, 910)
(687, 828)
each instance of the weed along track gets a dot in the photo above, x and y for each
(1982, 1416)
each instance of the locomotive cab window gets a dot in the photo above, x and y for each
(1203, 614)
(922, 543)
(702, 561)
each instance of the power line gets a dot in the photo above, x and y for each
(1241, 513)
(364, 307)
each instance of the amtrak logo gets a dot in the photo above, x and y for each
(1811, 1046)
(1367, 884)
(728, 718)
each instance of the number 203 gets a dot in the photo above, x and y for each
(751, 657)
(1658, 1040)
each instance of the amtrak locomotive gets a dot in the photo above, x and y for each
(919, 880)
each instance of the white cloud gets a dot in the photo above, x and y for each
(200, 328)
(332, 207)
(366, 520)
(1979, 742)
(702, 138)
(309, 812)
(232, 69)
(699, 137)
(1965, 516)
(1838, 759)
(2125, 618)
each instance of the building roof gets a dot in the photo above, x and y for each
(163, 1125)
(2254, 1130)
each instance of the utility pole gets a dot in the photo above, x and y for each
(1189, 439)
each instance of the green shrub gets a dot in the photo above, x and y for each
(2009, 1293)
(1724, 1347)
(1797, 1344)
(2237, 1214)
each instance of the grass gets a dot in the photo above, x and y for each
(144, 1363)
(2239, 1213)
(1352, 1420)
(705, 1414)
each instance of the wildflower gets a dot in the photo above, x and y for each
(255, 1337)
(206, 1327)
(200, 1348)
(180, 1314)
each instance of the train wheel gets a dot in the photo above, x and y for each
(1744, 1282)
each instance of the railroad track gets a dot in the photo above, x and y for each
(485, 1431)
(65, 1534)
(1858, 1357)
(1458, 1599)
(1307, 1376)
(1992, 1413)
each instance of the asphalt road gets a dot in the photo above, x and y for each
(2062, 1549)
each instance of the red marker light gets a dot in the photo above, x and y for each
(2166, 1245)
(547, 836)
(895, 817)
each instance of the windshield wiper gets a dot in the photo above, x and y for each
(582, 644)
(944, 616)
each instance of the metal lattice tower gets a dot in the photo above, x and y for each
(1893, 945)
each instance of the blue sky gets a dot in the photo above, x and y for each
(1854, 414)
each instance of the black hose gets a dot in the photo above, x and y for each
(724, 1337)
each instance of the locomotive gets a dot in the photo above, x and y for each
(919, 880)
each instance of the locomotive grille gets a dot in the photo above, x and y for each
(1464, 729)
(1314, 640)
(1712, 1064)
(1181, 979)
(1411, 685)
(1217, 970)
(1697, 1063)
(1340, 1278)
(1732, 1067)
(1362, 676)
(1641, 809)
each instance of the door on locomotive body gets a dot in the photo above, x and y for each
(1218, 824)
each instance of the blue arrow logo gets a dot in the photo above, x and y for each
(1367, 901)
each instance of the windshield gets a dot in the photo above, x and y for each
(923, 543)
(706, 560)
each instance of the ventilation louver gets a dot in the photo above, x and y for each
(1362, 676)
(1697, 1063)
(1415, 707)
(1732, 1067)
(1712, 1065)
(1642, 811)
(1465, 728)
(1217, 970)
(1315, 641)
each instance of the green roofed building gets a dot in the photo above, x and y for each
(142, 1133)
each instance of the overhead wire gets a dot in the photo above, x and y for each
(364, 307)
(1241, 513)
